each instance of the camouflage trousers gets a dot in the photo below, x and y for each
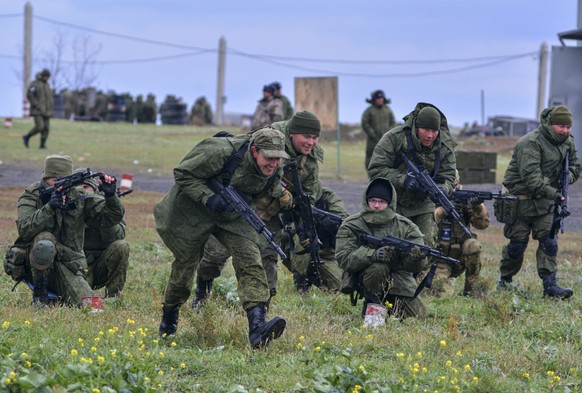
(518, 233)
(216, 256)
(381, 285)
(469, 256)
(329, 270)
(41, 126)
(246, 259)
(108, 268)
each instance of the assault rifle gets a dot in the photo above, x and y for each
(561, 206)
(402, 245)
(405, 245)
(63, 184)
(238, 204)
(434, 192)
(327, 220)
(302, 215)
(464, 195)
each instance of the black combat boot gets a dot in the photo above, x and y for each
(260, 332)
(169, 323)
(302, 282)
(201, 293)
(552, 289)
(25, 139)
(40, 291)
(42, 143)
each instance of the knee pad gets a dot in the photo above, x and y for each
(549, 246)
(42, 255)
(471, 246)
(516, 248)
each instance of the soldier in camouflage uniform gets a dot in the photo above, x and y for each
(456, 244)
(191, 212)
(269, 109)
(40, 96)
(532, 176)
(383, 275)
(106, 250)
(287, 107)
(49, 248)
(302, 135)
(201, 112)
(377, 120)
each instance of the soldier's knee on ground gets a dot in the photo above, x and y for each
(42, 254)
(471, 246)
(14, 263)
(516, 248)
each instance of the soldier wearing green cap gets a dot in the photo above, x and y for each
(49, 250)
(426, 140)
(533, 176)
(191, 212)
(40, 96)
(301, 144)
(106, 249)
(377, 120)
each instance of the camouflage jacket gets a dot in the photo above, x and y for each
(267, 112)
(376, 121)
(287, 107)
(353, 258)
(40, 95)
(386, 162)
(178, 213)
(536, 164)
(99, 238)
(68, 226)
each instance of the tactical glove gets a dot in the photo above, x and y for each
(286, 200)
(416, 253)
(411, 185)
(217, 204)
(108, 188)
(56, 201)
(383, 254)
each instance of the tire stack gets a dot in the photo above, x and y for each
(174, 111)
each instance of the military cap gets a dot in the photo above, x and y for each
(57, 165)
(269, 89)
(45, 72)
(375, 95)
(92, 181)
(271, 142)
(276, 85)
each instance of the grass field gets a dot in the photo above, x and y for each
(506, 342)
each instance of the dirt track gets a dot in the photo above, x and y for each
(351, 193)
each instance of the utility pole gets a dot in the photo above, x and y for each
(220, 98)
(482, 107)
(542, 79)
(27, 57)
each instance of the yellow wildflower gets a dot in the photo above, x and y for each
(443, 343)
(74, 352)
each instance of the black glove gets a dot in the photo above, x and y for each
(108, 189)
(475, 203)
(411, 185)
(217, 204)
(383, 254)
(56, 201)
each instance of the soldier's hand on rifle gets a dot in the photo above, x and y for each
(416, 253)
(305, 243)
(56, 201)
(108, 184)
(217, 204)
(476, 204)
(383, 254)
(558, 197)
(286, 200)
(411, 185)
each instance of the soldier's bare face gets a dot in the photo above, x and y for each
(427, 136)
(266, 165)
(303, 143)
(562, 129)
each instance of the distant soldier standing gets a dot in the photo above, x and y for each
(269, 109)
(377, 120)
(287, 107)
(40, 96)
(532, 176)
(201, 112)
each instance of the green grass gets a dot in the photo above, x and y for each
(506, 342)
